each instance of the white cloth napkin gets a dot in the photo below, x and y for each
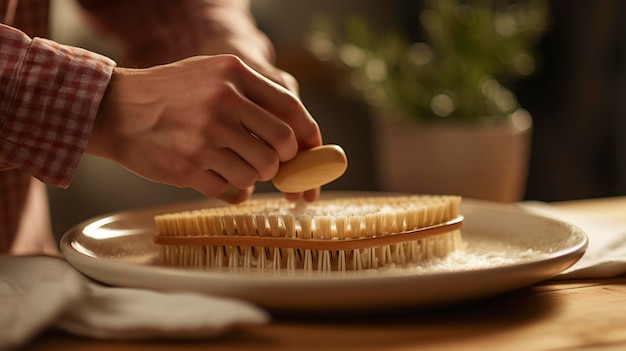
(39, 292)
(606, 253)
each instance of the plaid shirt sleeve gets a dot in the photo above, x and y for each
(49, 97)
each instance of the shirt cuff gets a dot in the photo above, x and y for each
(57, 95)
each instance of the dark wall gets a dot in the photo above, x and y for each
(578, 103)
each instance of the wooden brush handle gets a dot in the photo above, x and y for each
(312, 244)
(311, 169)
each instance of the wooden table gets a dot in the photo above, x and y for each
(561, 315)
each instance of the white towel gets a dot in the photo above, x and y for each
(606, 253)
(39, 292)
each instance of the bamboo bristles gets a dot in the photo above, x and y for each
(325, 221)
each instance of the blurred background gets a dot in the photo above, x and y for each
(576, 96)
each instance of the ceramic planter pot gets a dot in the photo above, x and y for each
(483, 161)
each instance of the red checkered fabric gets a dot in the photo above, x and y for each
(48, 112)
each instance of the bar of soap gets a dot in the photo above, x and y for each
(311, 169)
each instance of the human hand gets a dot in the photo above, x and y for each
(204, 122)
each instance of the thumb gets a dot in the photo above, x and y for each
(235, 195)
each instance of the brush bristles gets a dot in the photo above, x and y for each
(337, 219)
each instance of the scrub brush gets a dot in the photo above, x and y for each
(339, 234)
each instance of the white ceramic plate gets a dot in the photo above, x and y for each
(506, 249)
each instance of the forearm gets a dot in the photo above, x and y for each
(161, 31)
(49, 98)
(154, 32)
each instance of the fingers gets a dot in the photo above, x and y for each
(255, 136)
(288, 108)
(278, 118)
(308, 196)
(234, 195)
(265, 128)
(268, 110)
(211, 184)
(282, 78)
(235, 170)
(283, 104)
(311, 195)
(271, 131)
(288, 81)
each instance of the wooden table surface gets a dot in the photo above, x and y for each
(555, 315)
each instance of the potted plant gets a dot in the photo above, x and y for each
(446, 119)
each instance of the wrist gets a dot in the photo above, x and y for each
(104, 124)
